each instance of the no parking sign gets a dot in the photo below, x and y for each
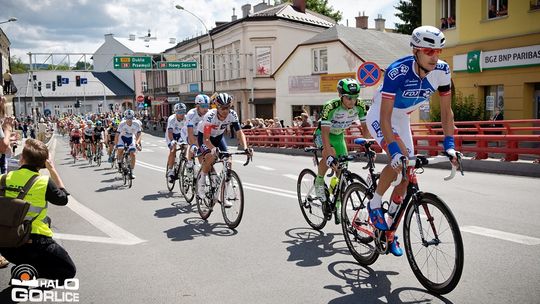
(368, 73)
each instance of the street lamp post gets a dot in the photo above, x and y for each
(211, 45)
(9, 20)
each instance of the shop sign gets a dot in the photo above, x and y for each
(329, 81)
(477, 61)
(303, 84)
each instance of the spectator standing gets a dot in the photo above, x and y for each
(7, 82)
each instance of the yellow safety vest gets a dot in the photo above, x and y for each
(35, 196)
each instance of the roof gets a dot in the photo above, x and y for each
(383, 48)
(149, 45)
(99, 84)
(283, 11)
(287, 11)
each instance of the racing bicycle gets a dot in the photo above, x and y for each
(431, 235)
(225, 188)
(315, 210)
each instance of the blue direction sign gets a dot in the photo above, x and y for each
(368, 73)
(65, 80)
(84, 80)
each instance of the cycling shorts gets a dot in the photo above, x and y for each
(337, 141)
(76, 139)
(217, 141)
(175, 137)
(126, 141)
(401, 127)
(88, 138)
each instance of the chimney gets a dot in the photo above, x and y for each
(379, 23)
(259, 7)
(246, 8)
(300, 5)
(132, 37)
(172, 40)
(362, 21)
(233, 17)
(108, 36)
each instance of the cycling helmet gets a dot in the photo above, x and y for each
(89, 122)
(223, 99)
(113, 124)
(427, 36)
(180, 108)
(348, 86)
(76, 126)
(202, 99)
(129, 114)
(98, 123)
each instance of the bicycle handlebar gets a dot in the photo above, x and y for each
(249, 157)
(421, 161)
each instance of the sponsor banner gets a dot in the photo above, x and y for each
(303, 84)
(477, 61)
(329, 82)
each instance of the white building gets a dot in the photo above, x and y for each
(308, 77)
(98, 92)
(132, 46)
(247, 51)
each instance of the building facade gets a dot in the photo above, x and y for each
(493, 48)
(240, 56)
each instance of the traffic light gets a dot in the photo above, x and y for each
(111, 106)
(78, 104)
(78, 80)
(59, 80)
(147, 103)
(39, 86)
(54, 86)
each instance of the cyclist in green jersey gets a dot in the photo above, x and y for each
(337, 115)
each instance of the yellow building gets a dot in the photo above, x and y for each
(493, 48)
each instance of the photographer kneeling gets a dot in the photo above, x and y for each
(49, 259)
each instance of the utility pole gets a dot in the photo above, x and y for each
(33, 84)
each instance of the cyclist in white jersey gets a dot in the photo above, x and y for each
(88, 133)
(127, 130)
(193, 117)
(176, 133)
(210, 135)
(408, 83)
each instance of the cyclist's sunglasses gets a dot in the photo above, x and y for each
(204, 105)
(430, 52)
(352, 97)
(180, 112)
(224, 107)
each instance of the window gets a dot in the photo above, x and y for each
(494, 100)
(497, 8)
(448, 14)
(320, 60)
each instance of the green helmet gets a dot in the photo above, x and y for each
(348, 86)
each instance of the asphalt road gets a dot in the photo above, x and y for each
(146, 245)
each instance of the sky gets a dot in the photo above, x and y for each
(80, 25)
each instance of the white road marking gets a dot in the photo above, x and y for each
(291, 176)
(150, 166)
(266, 168)
(507, 236)
(270, 191)
(146, 150)
(277, 190)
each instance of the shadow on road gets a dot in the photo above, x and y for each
(196, 227)
(160, 194)
(111, 187)
(178, 208)
(363, 284)
(308, 246)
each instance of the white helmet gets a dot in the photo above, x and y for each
(427, 36)
(129, 114)
(180, 108)
(202, 99)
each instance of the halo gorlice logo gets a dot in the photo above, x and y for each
(27, 287)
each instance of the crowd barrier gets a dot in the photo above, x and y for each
(509, 140)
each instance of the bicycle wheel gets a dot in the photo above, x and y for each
(310, 205)
(358, 236)
(129, 172)
(204, 204)
(437, 259)
(124, 172)
(98, 157)
(187, 182)
(89, 154)
(232, 193)
(170, 184)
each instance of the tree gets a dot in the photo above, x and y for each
(17, 66)
(410, 13)
(83, 66)
(319, 6)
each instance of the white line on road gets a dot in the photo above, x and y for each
(266, 168)
(291, 176)
(507, 236)
(150, 166)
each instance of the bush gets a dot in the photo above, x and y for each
(466, 108)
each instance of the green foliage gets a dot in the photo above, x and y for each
(319, 6)
(17, 66)
(60, 67)
(83, 66)
(465, 108)
(410, 14)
